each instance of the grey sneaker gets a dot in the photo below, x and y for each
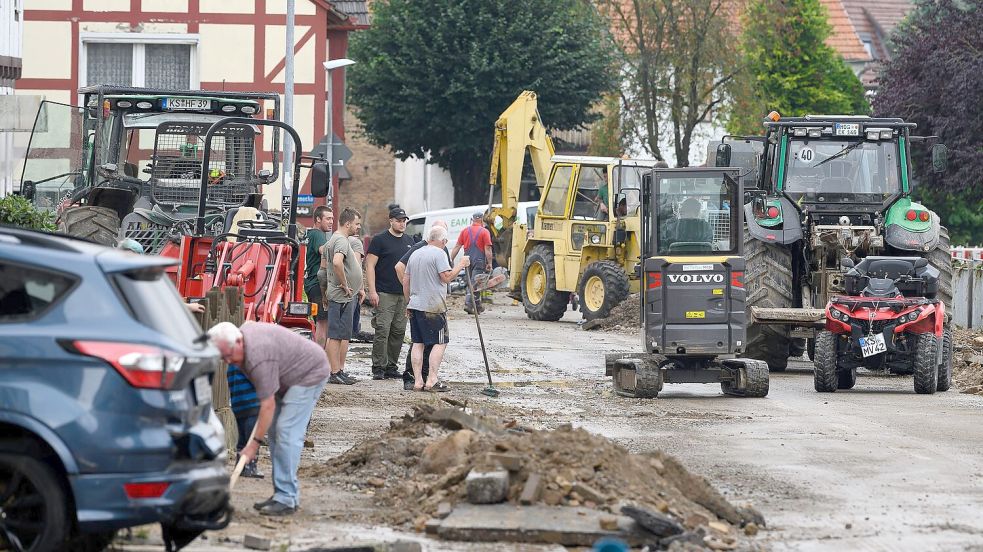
(349, 380)
(277, 509)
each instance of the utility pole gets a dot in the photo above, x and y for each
(330, 66)
(288, 104)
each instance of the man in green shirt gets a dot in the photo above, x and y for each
(316, 238)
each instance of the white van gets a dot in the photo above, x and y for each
(459, 218)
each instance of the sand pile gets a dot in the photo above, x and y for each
(967, 361)
(424, 458)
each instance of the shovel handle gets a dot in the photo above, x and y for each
(241, 463)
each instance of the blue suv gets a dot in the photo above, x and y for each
(106, 418)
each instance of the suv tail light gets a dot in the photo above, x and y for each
(143, 366)
(155, 489)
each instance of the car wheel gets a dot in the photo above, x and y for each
(32, 505)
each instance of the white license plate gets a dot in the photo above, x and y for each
(203, 390)
(846, 129)
(186, 104)
(872, 345)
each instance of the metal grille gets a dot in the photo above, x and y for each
(151, 236)
(177, 164)
(720, 221)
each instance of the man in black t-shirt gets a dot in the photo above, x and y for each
(386, 294)
(316, 237)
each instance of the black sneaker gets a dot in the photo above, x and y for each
(265, 503)
(347, 378)
(378, 377)
(393, 374)
(277, 509)
(408, 385)
(337, 379)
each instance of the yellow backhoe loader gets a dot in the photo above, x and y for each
(585, 237)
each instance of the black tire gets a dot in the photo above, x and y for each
(553, 303)
(98, 224)
(768, 281)
(33, 503)
(824, 367)
(926, 368)
(941, 259)
(614, 288)
(846, 379)
(945, 368)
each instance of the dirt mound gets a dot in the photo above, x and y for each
(967, 361)
(424, 458)
(625, 318)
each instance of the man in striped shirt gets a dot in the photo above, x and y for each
(245, 408)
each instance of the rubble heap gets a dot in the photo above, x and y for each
(967, 361)
(420, 466)
(624, 318)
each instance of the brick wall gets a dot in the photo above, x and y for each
(371, 188)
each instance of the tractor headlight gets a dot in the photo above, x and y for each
(248, 109)
(595, 239)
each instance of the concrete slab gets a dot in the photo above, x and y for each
(536, 524)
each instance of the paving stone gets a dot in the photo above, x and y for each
(532, 489)
(589, 493)
(254, 542)
(487, 487)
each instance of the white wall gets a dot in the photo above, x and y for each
(11, 31)
(422, 187)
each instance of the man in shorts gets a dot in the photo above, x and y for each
(344, 291)
(316, 238)
(429, 272)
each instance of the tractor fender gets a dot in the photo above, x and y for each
(899, 237)
(785, 235)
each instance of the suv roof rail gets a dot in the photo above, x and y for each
(112, 89)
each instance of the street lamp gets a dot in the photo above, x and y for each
(330, 66)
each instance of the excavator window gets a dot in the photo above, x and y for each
(555, 204)
(592, 194)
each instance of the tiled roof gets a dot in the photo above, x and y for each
(875, 19)
(844, 38)
(358, 12)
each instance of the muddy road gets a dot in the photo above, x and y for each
(875, 468)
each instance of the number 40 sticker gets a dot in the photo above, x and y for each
(807, 155)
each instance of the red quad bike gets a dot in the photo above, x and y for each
(890, 321)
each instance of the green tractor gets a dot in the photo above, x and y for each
(128, 162)
(828, 188)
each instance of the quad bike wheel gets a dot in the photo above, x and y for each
(945, 368)
(925, 365)
(824, 367)
(846, 379)
(603, 286)
(541, 299)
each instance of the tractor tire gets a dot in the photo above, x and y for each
(540, 298)
(846, 379)
(941, 259)
(824, 370)
(97, 224)
(945, 368)
(603, 286)
(768, 281)
(926, 368)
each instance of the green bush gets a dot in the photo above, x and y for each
(18, 211)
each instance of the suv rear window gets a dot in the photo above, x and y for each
(154, 302)
(28, 292)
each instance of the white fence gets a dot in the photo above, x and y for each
(967, 286)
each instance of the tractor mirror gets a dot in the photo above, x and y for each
(265, 176)
(758, 207)
(922, 262)
(846, 263)
(940, 158)
(723, 156)
(320, 180)
(27, 189)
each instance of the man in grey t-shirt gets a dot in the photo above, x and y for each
(344, 291)
(288, 372)
(428, 272)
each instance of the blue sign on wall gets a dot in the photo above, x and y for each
(305, 199)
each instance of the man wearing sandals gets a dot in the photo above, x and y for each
(429, 272)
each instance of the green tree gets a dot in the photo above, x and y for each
(434, 76)
(790, 68)
(18, 211)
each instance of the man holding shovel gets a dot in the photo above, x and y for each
(429, 272)
(289, 371)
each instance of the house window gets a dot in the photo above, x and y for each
(167, 61)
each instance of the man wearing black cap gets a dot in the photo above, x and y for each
(386, 294)
(477, 244)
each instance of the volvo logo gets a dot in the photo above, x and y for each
(696, 278)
